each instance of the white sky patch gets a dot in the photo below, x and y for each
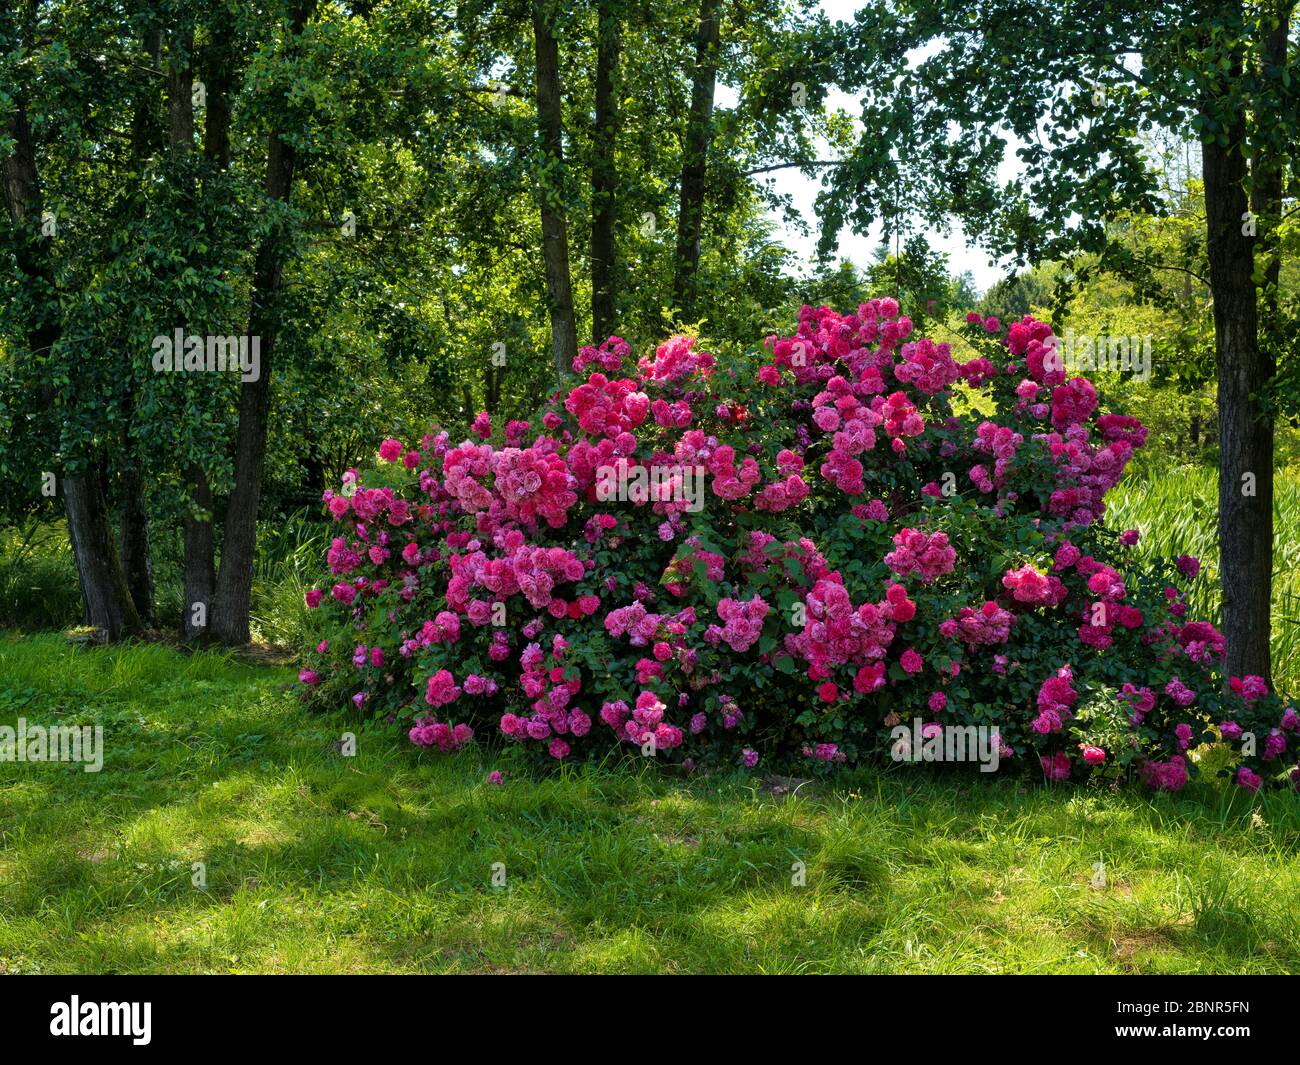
(859, 249)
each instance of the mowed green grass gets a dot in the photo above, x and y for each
(316, 862)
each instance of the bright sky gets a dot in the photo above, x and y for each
(962, 255)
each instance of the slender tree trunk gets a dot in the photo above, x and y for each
(180, 93)
(234, 589)
(200, 576)
(1245, 431)
(198, 566)
(136, 550)
(81, 579)
(603, 178)
(218, 74)
(1252, 534)
(550, 193)
(133, 532)
(133, 516)
(699, 133)
(106, 602)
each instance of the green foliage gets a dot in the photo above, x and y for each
(38, 578)
(1102, 110)
(417, 124)
(1176, 511)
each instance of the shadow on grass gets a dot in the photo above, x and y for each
(310, 861)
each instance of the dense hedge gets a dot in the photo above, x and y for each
(795, 554)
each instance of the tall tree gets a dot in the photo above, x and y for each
(699, 134)
(604, 178)
(107, 601)
(1245, 367)
(133, 522)
(550, 191)
(198, 563)
(1078, 91)
(232, 598)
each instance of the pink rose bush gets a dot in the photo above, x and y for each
(779, 556)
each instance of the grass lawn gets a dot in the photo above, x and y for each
(316, 862)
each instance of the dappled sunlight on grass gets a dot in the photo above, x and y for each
(313, 862)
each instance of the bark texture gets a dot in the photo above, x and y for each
(699, 134)
(555, 233)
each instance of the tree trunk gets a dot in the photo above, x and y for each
(180, 90)
(133, 520)
(137, 560)
(550, 195)
(603, 178)
(198, 566)
(106, 602)
(1245, 431)
(234, 589)
(699, 132)
(200, 575)
(218, 75)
